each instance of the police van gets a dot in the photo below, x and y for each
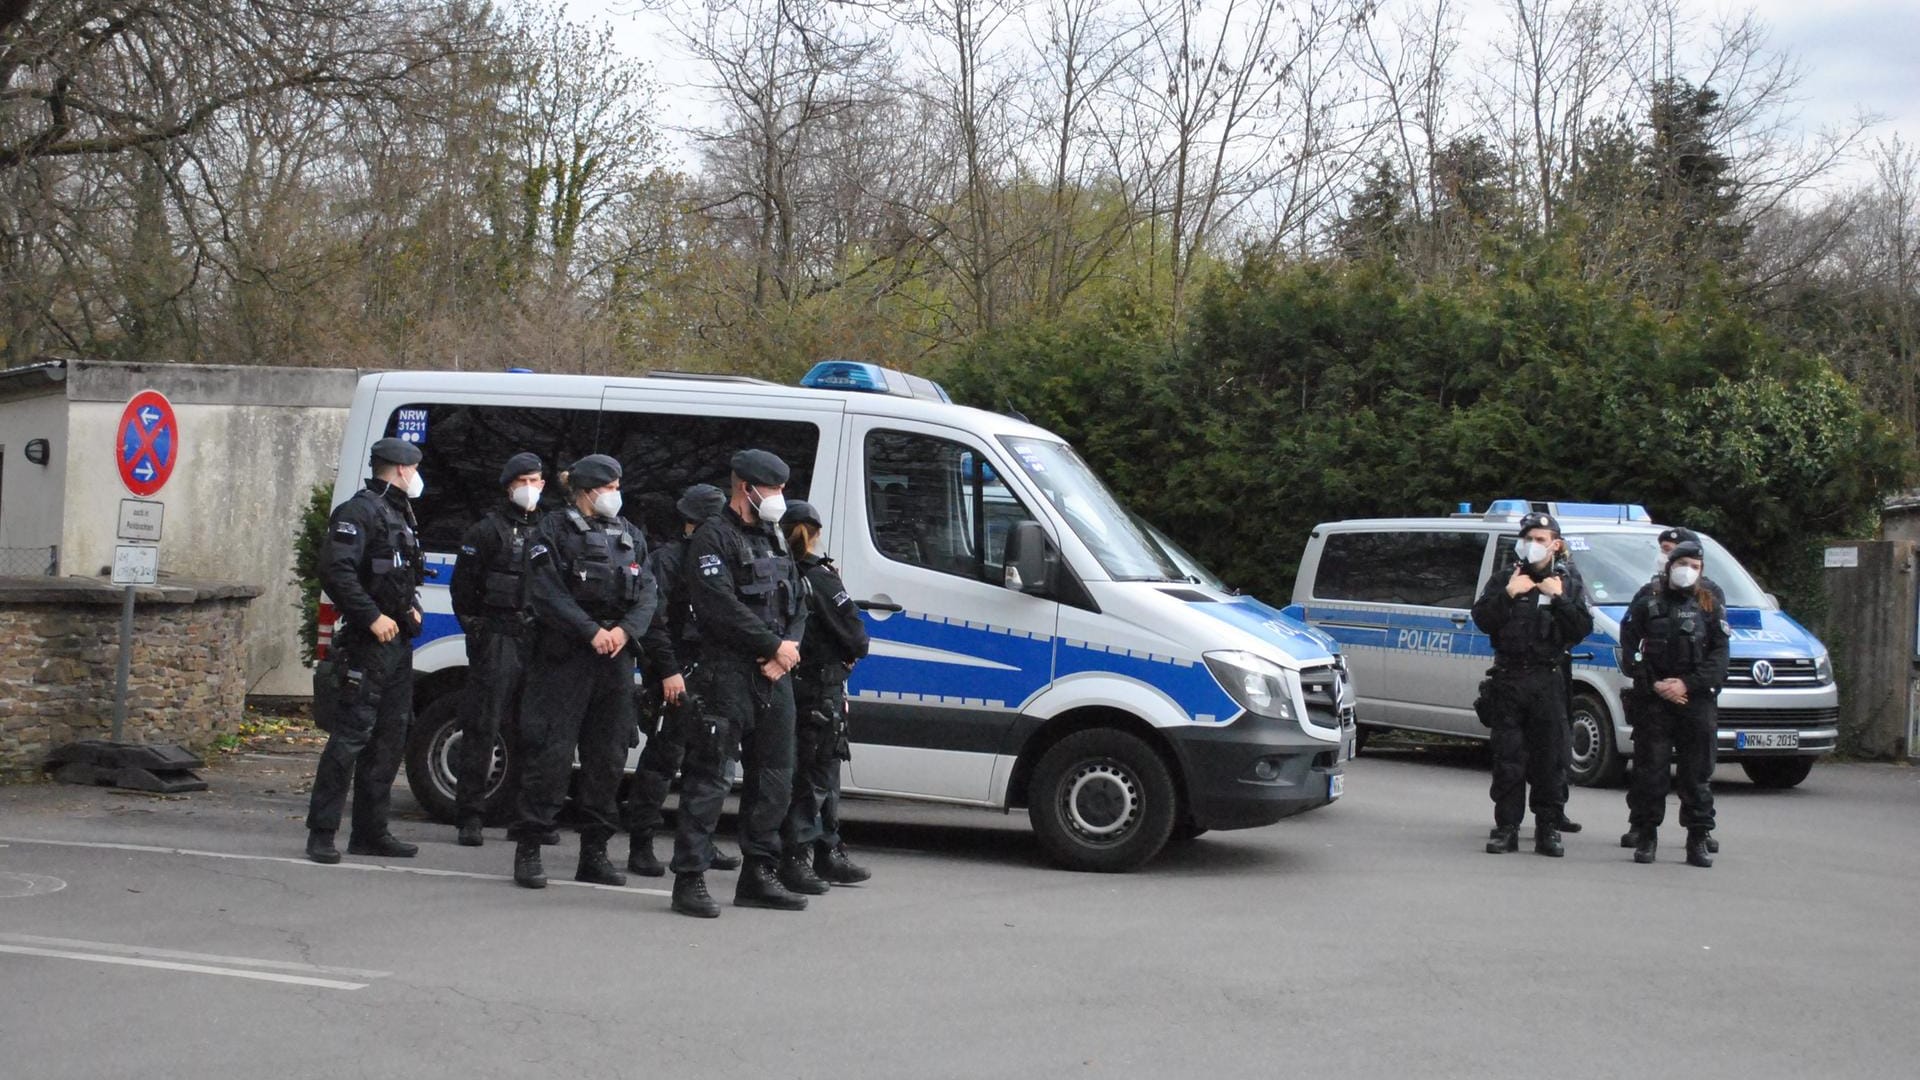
(1034, 645)
(1397, 595)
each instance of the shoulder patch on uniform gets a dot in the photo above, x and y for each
(536, 551)
(841, 599)
(346, 528)
(1725, 628)
(710, 565)
(468, 549)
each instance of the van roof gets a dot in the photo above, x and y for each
(669, 383)
(1477, 523)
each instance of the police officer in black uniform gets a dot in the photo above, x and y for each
(592, 599)
(835, 640)
(490, 600)
(1534, 614)
(371, 569)
(746, 598)
(671, 650)
(1670, 538)
(1673, 644)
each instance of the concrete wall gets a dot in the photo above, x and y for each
(1869, 632)
(253, 443)
(32, 496)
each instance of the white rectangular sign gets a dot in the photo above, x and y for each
(1847, 556)
(136, 564)
(140, 520)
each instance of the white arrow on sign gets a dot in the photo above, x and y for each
(144, 470)
(149, 416)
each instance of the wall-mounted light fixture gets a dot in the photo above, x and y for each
(37, 451)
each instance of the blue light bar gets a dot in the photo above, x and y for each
(871, 379)
(1503, 507)
(1622, 512)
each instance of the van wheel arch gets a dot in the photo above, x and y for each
(1076, 720)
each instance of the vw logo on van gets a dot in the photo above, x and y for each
(1762, 673)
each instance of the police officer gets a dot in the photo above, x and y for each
(835, 640)
(1534, 614)
(591, 598)
(1673, 644)
(490, 600)
(371, 569)
(1669, 539)
(745, 593)
(671, 649)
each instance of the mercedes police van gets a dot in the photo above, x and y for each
(1034, 645)
(1397, 593)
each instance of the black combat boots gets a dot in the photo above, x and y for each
(796, 873)
(527, 871)
(386, 845)
(1546, 840)
(1631, 838)
(640, 858)
(1713, 846)
(833, 864)
(1568, 825)
(1502, 839)
(1648, 841)
(723, 861)
(760, 887)
(320, 846)
(595, 868)
(1697, 853)
(690, 896)
(470, 834)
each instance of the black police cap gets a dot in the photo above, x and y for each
(394, 452)
(520, 464)
(1686, 549)
(759, 468)
(593, 471)
(700, 502)
(1679, 535)
(1538, 520)
(801, 512)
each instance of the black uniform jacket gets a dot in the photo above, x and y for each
(744, 589)
(1710, 674)
(370, 564)
(488, 548)
(835, 634)
(1532, 629)
(554, 559)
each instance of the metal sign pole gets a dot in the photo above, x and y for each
(126, 661)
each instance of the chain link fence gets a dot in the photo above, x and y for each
(30, 561)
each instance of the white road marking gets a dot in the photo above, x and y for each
(14, 886)
(36, 941)
(197, 969)
(423, 871)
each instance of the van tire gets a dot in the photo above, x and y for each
(1597, 761)
(429, 763)
(1102, 800)
(1777, 772)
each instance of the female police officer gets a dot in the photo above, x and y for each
(1673, 643)
(590, 598)
(834, 641)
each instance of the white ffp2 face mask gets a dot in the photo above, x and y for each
(526, 496)
(415, 485)
(772, 508)
(607, 504)
(1530, 551)
(1684, 577)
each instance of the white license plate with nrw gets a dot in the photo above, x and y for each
(1335, 785)
(1766, 740)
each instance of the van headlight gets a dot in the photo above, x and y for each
(1256, 684)
(1823, 669)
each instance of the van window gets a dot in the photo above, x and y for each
(462, 448)
(661, 455)
(935, 504)
(1429, 569)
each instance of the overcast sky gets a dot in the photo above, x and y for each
(1857, 54)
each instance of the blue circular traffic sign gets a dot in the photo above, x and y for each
(147, 443)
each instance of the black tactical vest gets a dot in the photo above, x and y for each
(1675, 640)
(393, 573)
(604, 568)
(766, 583)
(503, 586)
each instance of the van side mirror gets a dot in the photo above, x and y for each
(1030, 559)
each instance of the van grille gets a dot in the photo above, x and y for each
(1786, 672)
(1752, 718)
(1323, 687)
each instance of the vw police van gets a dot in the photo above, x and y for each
(1033, 645)
(1396, 594)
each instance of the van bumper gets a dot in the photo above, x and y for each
(1224, 790)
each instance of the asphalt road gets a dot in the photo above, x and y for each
(184, 937)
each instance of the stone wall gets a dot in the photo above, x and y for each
(59, 648)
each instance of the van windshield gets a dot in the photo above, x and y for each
(1191, 567)
(1114, 536)
(1615, 565)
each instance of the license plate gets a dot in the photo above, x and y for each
(1766, 740)
(1335, 785)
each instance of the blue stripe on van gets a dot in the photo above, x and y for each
(1416, 632)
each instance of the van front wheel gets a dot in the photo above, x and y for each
(1102, 800)
(1596, 756)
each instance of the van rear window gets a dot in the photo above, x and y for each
(462, 448)
(1427, 569)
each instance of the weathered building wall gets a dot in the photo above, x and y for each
(1869, 632)
(32, 496)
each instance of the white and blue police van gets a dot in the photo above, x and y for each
(1397, 593)
(1034, 644)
